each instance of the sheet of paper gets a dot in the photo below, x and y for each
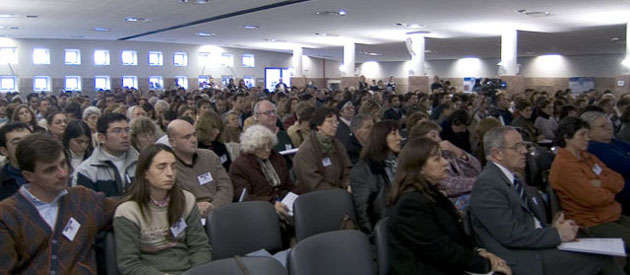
(605, 246)
(242, 196)
(289, 152)
(288, 200)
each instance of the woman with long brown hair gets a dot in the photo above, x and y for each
(157, 226)
(425, 230)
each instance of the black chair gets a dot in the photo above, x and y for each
(382, 246)
(538, 164)
(554, 203)
(244, 227)
(322, 211)
(111, 262)
(333, 253)
(231, 266)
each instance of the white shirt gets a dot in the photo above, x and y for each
(48, 211)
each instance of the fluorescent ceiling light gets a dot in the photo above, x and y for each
(250, 27)
(135, 19)
(101, 29)
(206, 34)
(335, 13)
(326, 34)
(7, 16)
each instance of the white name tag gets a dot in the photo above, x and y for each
(71, 229)
(204, 178)
(326, 162)
(223, 158)
(178, 227)
(596, 169)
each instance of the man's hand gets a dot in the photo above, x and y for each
(204, 208)
(566, 228)
(498, 265)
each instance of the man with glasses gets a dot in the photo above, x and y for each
(507, 221)
(265, 114)
(111, 167)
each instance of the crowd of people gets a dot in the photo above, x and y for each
(151, 165)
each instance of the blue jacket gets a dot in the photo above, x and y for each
(616, 155)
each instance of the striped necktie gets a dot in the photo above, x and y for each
(520, 189)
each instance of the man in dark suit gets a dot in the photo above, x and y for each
(507, 221)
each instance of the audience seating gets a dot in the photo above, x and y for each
(322, 211)
(230, 266)
(240, 228)
(554, 203)
(111, 262)
(345, 252)
(538, 164)
(382, 246)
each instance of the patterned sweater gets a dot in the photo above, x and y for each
(30, 246)
(150, 246)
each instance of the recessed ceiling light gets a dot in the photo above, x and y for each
(535, 14)
(202, 1)
(206, 34)
(428, 51)
(14, 28)
(335, 13)
(370, 53)
(32, 16)
(7, 15)
(182, 1)
(136, 19)
(101, 29)
(411, 26)
(250, 27)
(275, 40)
(326, 34)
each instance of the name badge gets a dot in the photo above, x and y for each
(71, 229)
(223, 158)
(178, 227)
(326, 162)
(596, 169)
(204, 178)
(287, 147)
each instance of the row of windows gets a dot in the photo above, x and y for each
(73, 83)
(41, 56)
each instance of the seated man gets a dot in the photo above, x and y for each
(199, 171)
(10, 176)
(455, 130)
(507, 222)
(112, 166)
(46, 227)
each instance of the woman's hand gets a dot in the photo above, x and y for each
(498, 264)
(282, 209)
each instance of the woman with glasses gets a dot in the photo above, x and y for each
(77, 139)
(322, 161)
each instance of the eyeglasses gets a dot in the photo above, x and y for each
(119, 131)
(519, 146)
(267, 113)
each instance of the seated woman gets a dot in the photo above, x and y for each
(463, 167)
(586, 187)
(77, 140)
(425, 230)
(57, 122)
(322, 161)
(143, 132)
(90, 116)
(209, 129)
(259, 172)
(157, 226)
(373, 174)
(545, 122)
(232, 132)
(22, 113)
(523, 121)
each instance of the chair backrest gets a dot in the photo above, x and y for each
(229, 266)
(332, 253)
(243, 227)
(322, 211)
(537, 168)
(382, 246)
(111, 263)
(554, 203)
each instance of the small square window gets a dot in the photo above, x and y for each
(180, 59)
(73, 83)
(204, 59)
(101, 57)
(129, 58)
(249, 61)
(41, 83)
(203, 81)
(8, 83)
(250, 81)
(182, 81)
(227, 60)
(101, 83)
(156, 83)
(155, 59)
(9, 55)
(225, 80)
(41, 56)
(73, 57)
(130, 82)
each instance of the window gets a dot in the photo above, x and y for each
(204, 59)
(41, 83)
(8, 83)
(225, 80)
(9, 55)
(156, 82)
(129, 58)
(155, 59)
(73, 83)
(41, 56)
(250, 81)
(182, 81)
(227, 60)
(249, 61)
(101, 57)
(101, 83)
(180, 59)
(203, 81)
(73, 57)
(130, 82)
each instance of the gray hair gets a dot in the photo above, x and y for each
(162, 104)
(255, 137)
(591, 116)
(358, 121)
(257, 105)
(131, 110)
(92, 110)
(153, 100)
(495, 138)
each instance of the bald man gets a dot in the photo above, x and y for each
(199, 171)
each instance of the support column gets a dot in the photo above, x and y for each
(509, 43)
(348, 59)
(297, 62)
(416, 46)
(622, 82)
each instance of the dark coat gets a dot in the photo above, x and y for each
(8, 184)
(370, 187)
(309, 167)
(352, 144)
(428, 238)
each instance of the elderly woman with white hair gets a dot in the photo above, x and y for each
(260, 172)
(90, 116)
